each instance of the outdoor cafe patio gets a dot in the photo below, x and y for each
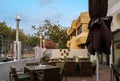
(66, 65)
(80, 69)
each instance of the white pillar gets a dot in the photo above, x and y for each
(15, 50)
(17, 27)
(38, 52)
(18, 45)
(40, 41)
(19, 50)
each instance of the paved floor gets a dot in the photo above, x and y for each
(104, 76)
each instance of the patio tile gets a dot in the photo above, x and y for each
(104, 76)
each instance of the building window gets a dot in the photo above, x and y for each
(73, 34)
(79, 30)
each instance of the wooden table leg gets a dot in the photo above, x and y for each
(32, 75)
(65, 76)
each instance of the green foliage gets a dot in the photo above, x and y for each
(45, 59)
(53, 32)
(5, 31)
(8, 35)
(5, 37)
(32, 41)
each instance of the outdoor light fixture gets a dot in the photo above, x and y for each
(40, 41)
(18, 55)
(17, 26)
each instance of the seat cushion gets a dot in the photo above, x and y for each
(23, 76)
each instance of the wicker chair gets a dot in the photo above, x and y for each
(18, 77)
(49, 75)
(70, 68)
(85, 68)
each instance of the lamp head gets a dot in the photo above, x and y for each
(17, 17)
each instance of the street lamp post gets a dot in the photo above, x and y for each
(40, 41)
(43, 43)
(17, 27)
(17, 37)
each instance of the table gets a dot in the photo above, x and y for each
(33, 69)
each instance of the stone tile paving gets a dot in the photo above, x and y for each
(104, 76)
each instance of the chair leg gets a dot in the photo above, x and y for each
(65, 76)
(10, 77)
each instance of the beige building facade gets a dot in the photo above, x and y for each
(78, 32)
(114, 10)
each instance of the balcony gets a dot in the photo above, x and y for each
(68, 43)
(81, 38)
(70, 31)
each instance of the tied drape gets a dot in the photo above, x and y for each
(100, 35)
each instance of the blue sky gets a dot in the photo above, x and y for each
(34, 12)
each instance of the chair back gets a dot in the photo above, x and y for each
(52, 74)
(85, 68)
(14, 73)
(70, 69)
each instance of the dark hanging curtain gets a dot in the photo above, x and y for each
(100, 35)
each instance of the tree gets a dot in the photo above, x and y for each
(53, 32)
(63, 38)
(6, 33)
(33, 41)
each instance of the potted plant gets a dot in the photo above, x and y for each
(45, 59)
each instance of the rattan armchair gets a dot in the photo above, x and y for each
(14, 76)
(52, 74)
(70, 68)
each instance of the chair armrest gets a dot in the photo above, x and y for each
(20, 71)
(12, 74)
(39, 74)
